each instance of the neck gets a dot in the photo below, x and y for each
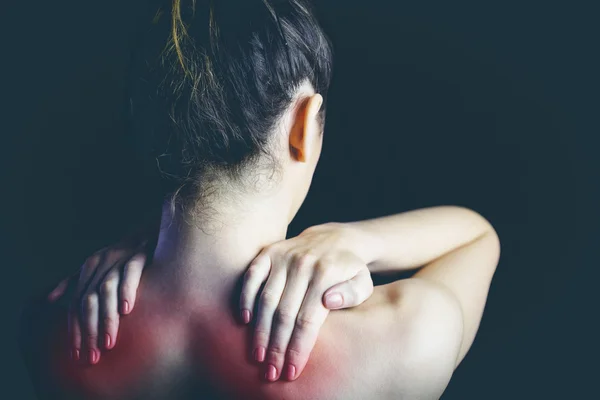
(222, 242)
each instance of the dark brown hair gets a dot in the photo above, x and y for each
(210, 83)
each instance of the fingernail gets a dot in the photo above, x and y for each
(291, 372)
(93, 357)
(75, 354)
(333, 300)
(246, 316)
(271, 372)
(259, 354)
(125, 306)
(107, 341)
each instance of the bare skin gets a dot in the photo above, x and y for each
(196, 347)
(403, 342)
(184, 340)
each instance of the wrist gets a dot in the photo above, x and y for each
(363, 242)
(354, 237)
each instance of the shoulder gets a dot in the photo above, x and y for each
(402, 343)
(42, 339)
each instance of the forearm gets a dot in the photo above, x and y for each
(458, 249)
(412, 239)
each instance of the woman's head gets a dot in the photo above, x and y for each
(226, 93)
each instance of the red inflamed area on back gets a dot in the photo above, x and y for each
(217, 350)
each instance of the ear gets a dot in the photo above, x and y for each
(305, 130)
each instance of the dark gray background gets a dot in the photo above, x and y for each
(489, 105)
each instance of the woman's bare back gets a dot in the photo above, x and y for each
(186, 343)
(190, 346)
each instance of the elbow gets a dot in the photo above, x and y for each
(486, 227)
(495, 239)
(491, 235)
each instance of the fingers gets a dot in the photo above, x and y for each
(89, 320)
(267, 304)
(91, 281)
(131, 280)
(74, 334)
(91, 276)
(284, 320)
(58, 291)
(292, 306)
(94, 313)
(109, 306)
(257, 273)
(88, 271)
(350, 293)
(309, 320)
(80, 339)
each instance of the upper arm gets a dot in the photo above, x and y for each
(402, 342)
(466, 274)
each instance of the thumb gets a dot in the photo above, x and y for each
(58, 291)
(350, 293)
(62, 288)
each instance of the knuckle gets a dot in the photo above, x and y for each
(262, 332)
(110, 321)
(284, 316)
(306, 323)
(326, 270)
(293, 352)
(261, 336)
(108, 287)
(114, 254)
(322, 266)
(91, 339)
(90, 301)
(303, 260)
(91, 262)
(269, 298)
(277, 348)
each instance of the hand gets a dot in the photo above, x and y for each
(304, 276)
(106, 285)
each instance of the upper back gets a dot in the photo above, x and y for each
(197, 349)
